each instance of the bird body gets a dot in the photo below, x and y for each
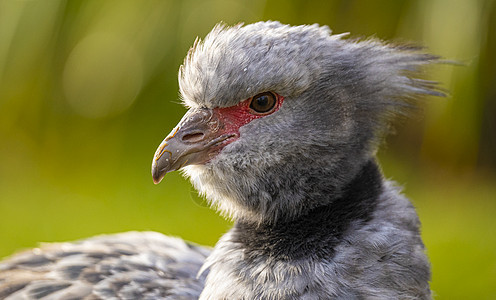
(280, 136)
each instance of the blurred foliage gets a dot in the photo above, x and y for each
(88, 89)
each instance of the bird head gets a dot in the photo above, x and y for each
(281, 118)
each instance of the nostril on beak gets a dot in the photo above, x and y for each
(193, 137)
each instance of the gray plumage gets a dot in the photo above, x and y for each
(314, 218)
(132, 265)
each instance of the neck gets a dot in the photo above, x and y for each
(319, 230)
(280, 258)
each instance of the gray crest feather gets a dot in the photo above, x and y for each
(291, 59)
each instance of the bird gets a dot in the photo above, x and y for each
(280, 136)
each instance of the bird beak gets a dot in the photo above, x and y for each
(197, 138)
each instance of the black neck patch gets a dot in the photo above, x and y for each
(317, 233)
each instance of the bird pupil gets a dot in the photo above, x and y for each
(262, 101)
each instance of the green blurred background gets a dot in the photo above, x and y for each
(88, 89)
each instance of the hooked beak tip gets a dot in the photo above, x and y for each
(157, 175)
(157, 180)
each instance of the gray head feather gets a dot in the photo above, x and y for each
(234, 63)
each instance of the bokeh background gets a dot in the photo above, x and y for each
(88, 89)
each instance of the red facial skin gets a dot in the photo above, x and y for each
(234, 117)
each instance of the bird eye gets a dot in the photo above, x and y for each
(263, 103)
